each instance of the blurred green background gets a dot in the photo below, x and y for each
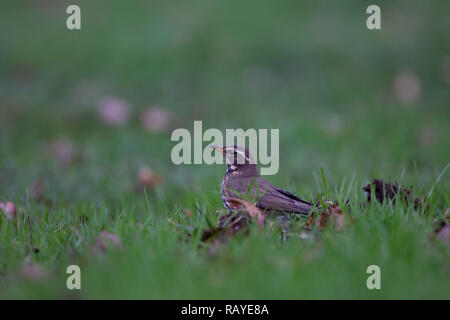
(354, 101)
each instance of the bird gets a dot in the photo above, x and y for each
(242, 178)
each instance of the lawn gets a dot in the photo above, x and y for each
(85, 140)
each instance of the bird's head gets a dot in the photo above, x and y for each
(238, 159)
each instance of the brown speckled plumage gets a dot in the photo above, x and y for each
(268, 197)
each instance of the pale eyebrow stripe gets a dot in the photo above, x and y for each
(244, 155)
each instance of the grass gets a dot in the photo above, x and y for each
(312, 70)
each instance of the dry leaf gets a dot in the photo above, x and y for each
(37, 192)
(147, 179)
(106, 238)
(388, 191)
(442, 230)
(36, 189)
(444, 234)
(156, 119)
(407, 87)
(254, 212)
(65, 152)
(113, 111)
(9, 210)
(33, 271)
(332, 214)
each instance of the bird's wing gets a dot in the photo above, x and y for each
(292, 196)
(275, 198)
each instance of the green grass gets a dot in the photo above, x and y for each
(312, 70)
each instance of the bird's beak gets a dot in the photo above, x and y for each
(220, 149)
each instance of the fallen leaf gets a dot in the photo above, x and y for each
(311, 221)
(444, 234)
(36, 189)
(208, 234)
(442, 228)
(156, 119)
(9, 210)
(382, 190)
(37, 192)
(105, 238)
(33, 271)
(331, 215)
(147, 179)
(113, 111)
(407, 87)
(235, 220)
(255, 213)
(65, 152)
(388, 191)
(229, 225)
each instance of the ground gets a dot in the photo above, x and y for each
(358, 104)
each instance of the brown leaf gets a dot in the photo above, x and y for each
(33, 271)
(330, 215)
(105, 238)
(235, 221)
(407, 87)
(147, 179)
(65, 152)
(36, 189)
(37, 192)
(113, 111)
(311, 220)
(444, 234)
(255, 213)
(215, 237)
(229, 225)
(388, 191)
(156, 119)
(208, 234)
(9, 210)
(382, 190)
(442, 229)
